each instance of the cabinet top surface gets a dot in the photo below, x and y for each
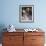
(22, 30)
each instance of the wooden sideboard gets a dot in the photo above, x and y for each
(23, 39)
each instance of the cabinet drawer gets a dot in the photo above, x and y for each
(13, 33)
(12, 44)
(12, 39)
(34, 33)
(33, 40)
(37, 44)
(37, 39)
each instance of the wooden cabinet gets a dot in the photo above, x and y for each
(34, 39)
(23, 39)
(12, 39)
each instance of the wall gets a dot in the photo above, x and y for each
(9, 13)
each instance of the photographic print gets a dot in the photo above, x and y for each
(26, 13)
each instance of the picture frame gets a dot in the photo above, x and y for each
(26, 13)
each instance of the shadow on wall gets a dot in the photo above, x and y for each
(2, 26)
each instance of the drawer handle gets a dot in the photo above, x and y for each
(11, 38)
(33, 39)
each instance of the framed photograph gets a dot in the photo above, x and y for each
(26, 13)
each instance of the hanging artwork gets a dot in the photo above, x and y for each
(26, 13)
